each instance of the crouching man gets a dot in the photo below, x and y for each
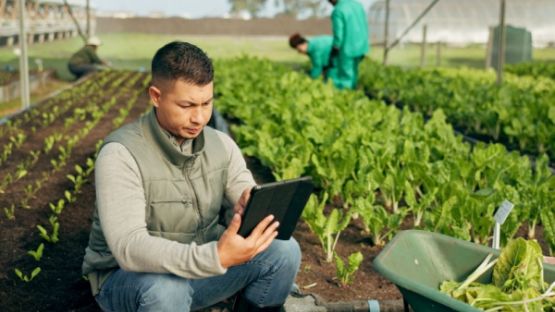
(159, 241)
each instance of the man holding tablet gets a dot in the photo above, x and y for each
(157, 241)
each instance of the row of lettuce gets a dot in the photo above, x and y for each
(386, 167)
(104, 99)
(520, 113)
(534, 69)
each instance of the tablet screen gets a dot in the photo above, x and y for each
(284, 199)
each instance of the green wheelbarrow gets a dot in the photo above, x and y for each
(417, 262)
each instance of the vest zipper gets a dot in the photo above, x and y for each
(194, 200)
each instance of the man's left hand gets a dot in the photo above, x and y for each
(241, 204)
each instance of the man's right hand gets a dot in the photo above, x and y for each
(234, 249)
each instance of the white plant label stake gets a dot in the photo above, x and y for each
(500, 216)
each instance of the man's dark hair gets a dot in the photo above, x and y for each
(295, 40)
(182, 61)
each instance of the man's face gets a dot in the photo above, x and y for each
(182, 108)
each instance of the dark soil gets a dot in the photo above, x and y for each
(60, 285)
(317, 276)
(7, 77)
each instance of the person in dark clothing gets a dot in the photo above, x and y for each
(86, 61)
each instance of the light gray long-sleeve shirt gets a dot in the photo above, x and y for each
(121, 208)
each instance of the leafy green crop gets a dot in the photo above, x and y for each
(381, 165)
(345, 271)
(326, 227)
(539, 69)
(519, 266)
(517, 281)
(519, 113)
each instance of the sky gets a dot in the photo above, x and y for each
(184, 8)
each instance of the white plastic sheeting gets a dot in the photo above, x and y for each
(462, 21)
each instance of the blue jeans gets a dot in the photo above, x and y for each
(266, 281)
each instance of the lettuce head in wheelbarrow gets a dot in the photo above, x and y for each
(517, 283)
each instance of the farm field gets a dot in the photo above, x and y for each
(115, 48)
(388, 166)
(379, 169)
(58, 140)
(46, 190)
(50, 87)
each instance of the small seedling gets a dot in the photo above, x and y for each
(59, 207)
(36, 254)
(345, 271)
(27, 278)
(10, 212)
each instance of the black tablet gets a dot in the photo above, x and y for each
(284, 199)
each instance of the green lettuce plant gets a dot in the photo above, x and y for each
(517, 281)
(326, 227)
(345, 271)
(417, 168)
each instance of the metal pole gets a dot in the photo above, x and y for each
(88, 18)
(396, 42)
(501, 47)
(489, 47)
(386, 33)
(438, 53)
(23, 61)
(423, 46)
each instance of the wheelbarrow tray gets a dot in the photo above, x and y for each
(417, 262)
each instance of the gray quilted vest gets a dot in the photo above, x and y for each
(183, 193)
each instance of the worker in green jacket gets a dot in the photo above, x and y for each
(86, 61)
(318, 50)
(350, 41)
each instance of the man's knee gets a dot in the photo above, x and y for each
(286, 253)
(279, 265)
(165, 292)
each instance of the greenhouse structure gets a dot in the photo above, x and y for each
(462, 22)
